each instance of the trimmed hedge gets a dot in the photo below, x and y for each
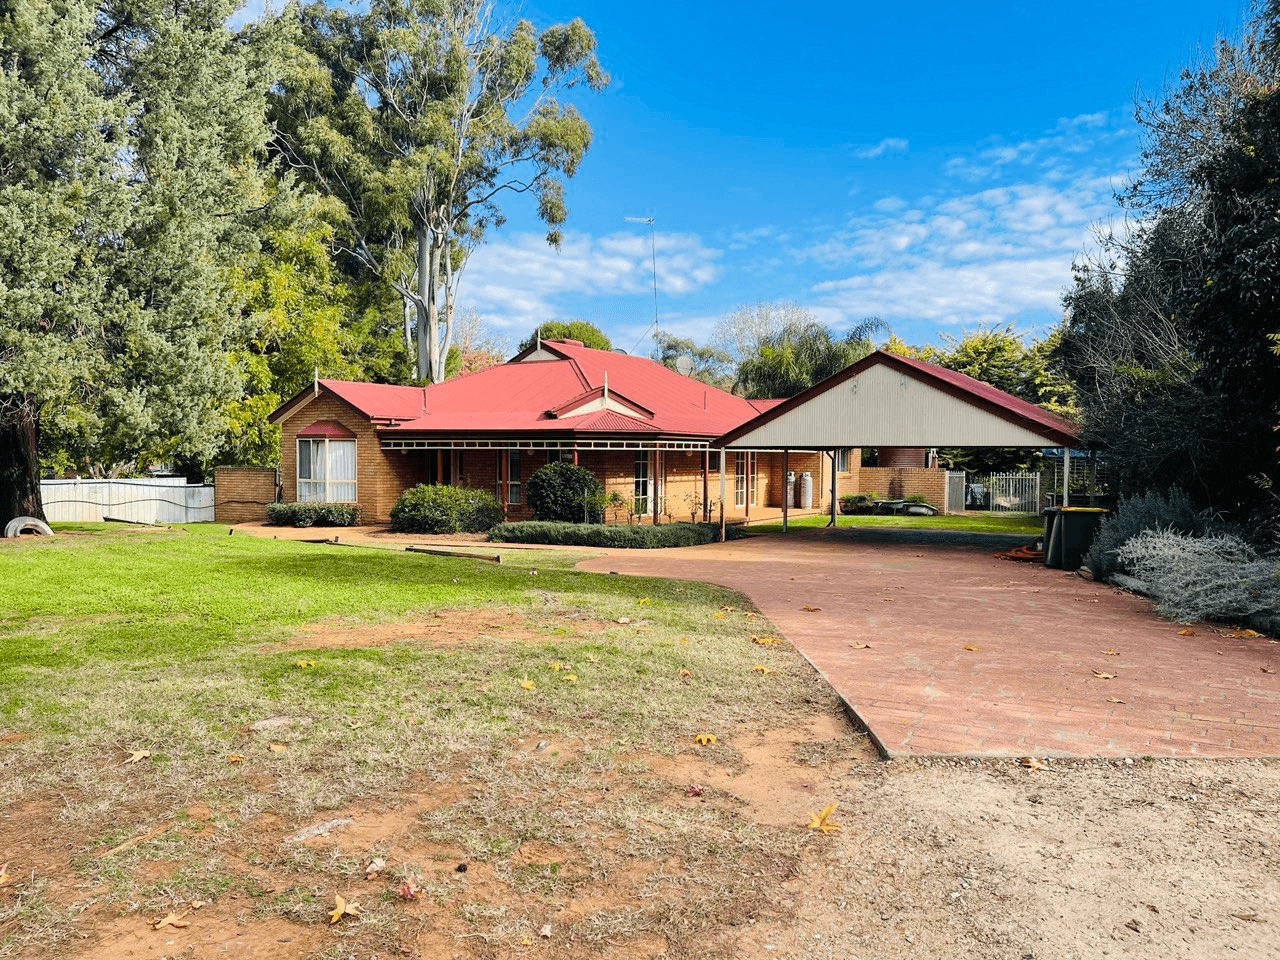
(605, 535)
(565, 493)
(312, 514)
(430, 508)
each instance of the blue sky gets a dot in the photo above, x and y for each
(938, 165)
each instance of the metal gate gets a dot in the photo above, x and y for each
(1015, 492)
(955, 492)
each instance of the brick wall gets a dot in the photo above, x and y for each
(241, 494)
(380, 476)
(895, 483)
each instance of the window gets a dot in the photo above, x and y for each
(327, 471)
(842, 460)
(513, 475)
(752, 472)
(740, 480)
(640, 492)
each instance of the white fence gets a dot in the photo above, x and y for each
(1015, 492)
(145, 500)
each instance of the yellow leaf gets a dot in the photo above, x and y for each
(645, 600)
(557, 666)
(718, 615)
(728, 609)
(570, 678)
(306, 663)
(526, 683)
(751, 616)
(277, 748)
(1111, 653)
(822, 821)
(860, 646)
(1186, 632)
(970, 648)
(235, 758)
(766, 641)
(684, 639)
(342, 909)
(761, 668)
(526, 942)
(137, 755)
(171, 920)
(1114, 700)
(685, 673)
(811, 609)
(1031, 763)
(1104, 676)
(887, 599)
(1245, 633)
(705, 739)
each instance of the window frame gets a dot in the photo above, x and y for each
(641, 487)
(325, 483)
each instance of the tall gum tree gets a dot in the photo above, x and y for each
(419, 115)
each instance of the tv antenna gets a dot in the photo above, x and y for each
(653, 251)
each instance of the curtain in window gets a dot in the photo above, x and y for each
(342, 471)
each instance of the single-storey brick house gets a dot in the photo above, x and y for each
(640, 427)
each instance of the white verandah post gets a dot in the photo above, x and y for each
(1066, 476)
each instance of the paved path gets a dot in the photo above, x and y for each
(1029, 688)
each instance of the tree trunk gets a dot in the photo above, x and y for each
(426, 333)
(19, 466)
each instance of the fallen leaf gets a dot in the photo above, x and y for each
(693, 790)
(1104, 676)
(570, 678)
(545, 931)
(342, 909)
(1251, 917)
(1266, 670)
(172, 920)
(705, 739)
(1111, 653)
(526, 942)
(970, 648)
(1114, 700)
(197, 904)
(761, 668)
(684, 639)
(305, 663)
(822, 821)
(750, 616)
(766, 641)
(623, 620)
(527, 684)
(685, 673)
(557, 666)
(887, 599)
(645, 600)
(235, 758)
(718, 615)
(1245, 633)
(277, 747)
(728, 609)
(811, 609)
(860, 646)
(137, 755)
(4, 875)
(1134, 925)
(375, 867)
(409, 890)
(1186, 632)
(1031, 763)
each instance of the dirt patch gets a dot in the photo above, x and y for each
(441, 629)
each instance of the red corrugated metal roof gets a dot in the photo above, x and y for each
(379, 401)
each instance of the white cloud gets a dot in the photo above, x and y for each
(885, 146)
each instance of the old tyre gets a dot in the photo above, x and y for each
(20, 525)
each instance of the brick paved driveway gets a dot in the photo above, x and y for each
(896, 617)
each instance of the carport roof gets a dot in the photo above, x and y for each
(888, 400)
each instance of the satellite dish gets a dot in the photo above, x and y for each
(684, 364)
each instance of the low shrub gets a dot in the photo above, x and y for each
(565, 493)
(312, 514)
(857, 503)
(1217, 577)
(916, 498)
(430, 508)
(1149, 511)
(604, 535)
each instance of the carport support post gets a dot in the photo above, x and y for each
(1066, 476)
(833, 489)
(785, 490)
(722, 455)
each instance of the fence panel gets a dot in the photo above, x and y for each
(1015, 492)
(955, 492)
(142, 500)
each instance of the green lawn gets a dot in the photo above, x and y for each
(1012, 523)
(178, 641)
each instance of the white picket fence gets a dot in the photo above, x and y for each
(1015, 492)
(142, 500)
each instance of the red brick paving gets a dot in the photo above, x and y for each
(1029, 688)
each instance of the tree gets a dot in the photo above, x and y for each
(129, 179)
(711, 365)
(739, 333)
(590, 335)
(419, 115)
(801, 354)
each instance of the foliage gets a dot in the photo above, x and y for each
(1153, 510)
(588, 333)
(801, 354)
(1214, 577)
(711, 365)
(857, 503)
(605, 535)
(312, 514)
(566, 493)
(740, 333)
(430, 508)
(1169, 329)
(131, 143)
(418, 116)
(915, 498)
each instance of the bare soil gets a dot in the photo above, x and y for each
(934, 858)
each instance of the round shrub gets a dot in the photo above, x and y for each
(566, 493)
(442, 509)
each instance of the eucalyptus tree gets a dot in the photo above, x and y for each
(131, 135)
(419, 116)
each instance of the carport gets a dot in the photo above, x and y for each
(887, 400)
